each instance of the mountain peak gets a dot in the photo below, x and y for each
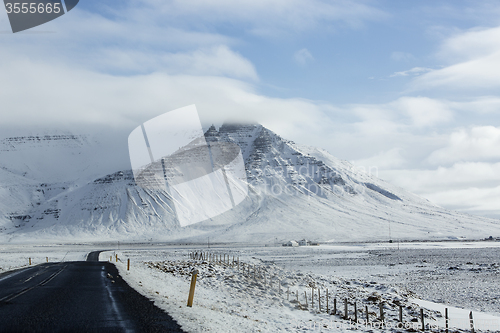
(295, 192)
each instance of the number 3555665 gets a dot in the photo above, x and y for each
(32, 8)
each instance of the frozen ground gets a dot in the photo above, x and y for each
(465, 276)
(18, 256)
(229, 298)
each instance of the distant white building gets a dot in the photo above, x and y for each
(291, 243)
(304, 242)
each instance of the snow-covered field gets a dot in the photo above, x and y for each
(18, 256)
(266, 291)
(229, 298)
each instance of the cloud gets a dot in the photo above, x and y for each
(125, 46)
(421, 111)
(302, 57)
(474, 75)
(217, 61)
(478, 143)
(479, 105)
(474, 58)
(391, 159)
(472, 187)
(415, 71)
(457, 176)
(473, 200)
(61, 95)
(472, 44)
(424, 111)
(261, 17)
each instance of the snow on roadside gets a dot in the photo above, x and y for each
(15, 257)
(228, 298)
(460, 317)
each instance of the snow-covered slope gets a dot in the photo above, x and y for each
(295, 192)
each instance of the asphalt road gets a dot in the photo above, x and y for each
(79, 296)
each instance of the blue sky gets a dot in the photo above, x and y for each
(410, 87)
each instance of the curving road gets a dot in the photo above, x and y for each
(80, 296)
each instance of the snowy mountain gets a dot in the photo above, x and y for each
(295, 192)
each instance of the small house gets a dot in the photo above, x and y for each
(291, 243)
(304, 242)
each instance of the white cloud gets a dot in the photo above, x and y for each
(474, 75)
(124, 46)
(459, 175)
(475, 63)
(424, 111)
(415, 71)
(478, 143)
(473, 200)
(263, 17)
(217, 60)
(469, 186)
(64, 95)
(391, 159)
(472, 44)
(303, 56)
(479, 105)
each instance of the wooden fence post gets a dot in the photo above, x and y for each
(319, 299)
(422, 318)
(367, 314)
(346, 315)
(355, 312)
(446, 319)
(400, 313)
(312, 298)
(327, 310)
(305, 296)
(30, 261)
(47, 259)
(471, 322)
(128, 264)
(334, 306)
(191, 288)
(381, 308)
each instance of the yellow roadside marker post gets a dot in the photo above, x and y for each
(191, 289)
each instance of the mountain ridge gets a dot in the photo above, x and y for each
(295, 192)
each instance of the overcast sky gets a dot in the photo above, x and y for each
(409, 87)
